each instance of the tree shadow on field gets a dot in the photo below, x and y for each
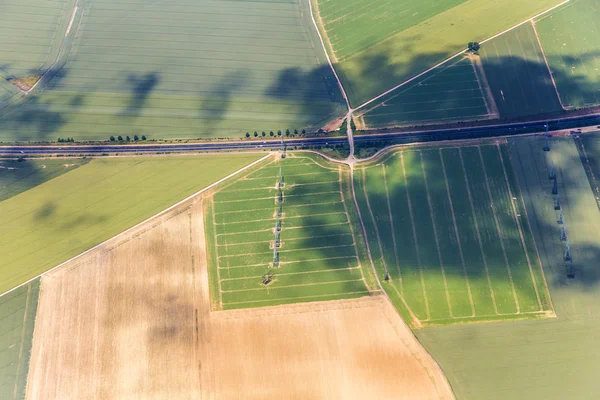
(314, 92)
(215, 104)
(141, 86)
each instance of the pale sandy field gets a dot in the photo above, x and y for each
(131, 320)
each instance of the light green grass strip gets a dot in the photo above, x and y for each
(61, 218)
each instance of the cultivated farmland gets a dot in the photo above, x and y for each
(589, 149)
(454, 91)
(411, 45)
(200, 69)
(570, 38)
(534, 360)
(17, 317)
(518, 75)
(20, 176)
(32, 32)
(450, 227)
(132, 319)
(67, 215)
(321, 254)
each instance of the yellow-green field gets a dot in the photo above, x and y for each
(62, 217)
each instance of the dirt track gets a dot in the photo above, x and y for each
(131, 320)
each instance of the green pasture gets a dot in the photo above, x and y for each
(415, 48)
(589, 150)
(182, 69)
(450, 93)
(64, 216)
(449, 226)
(518, 75)
(570, 38)
(32, 33)
(17, 319)
(20, 176)
(322, 254)
(555, 358)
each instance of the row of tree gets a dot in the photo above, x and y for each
(67, 140)
(127, 138)
(279, 133)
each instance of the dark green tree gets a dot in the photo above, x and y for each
(295, 131)
(474, 47)
(287, 132)
(136, 138)
(264, 134)
(120, 138)
(143, 137)
(247, 135)
(255, 134)
(128, 139)
(112, 138)
(271, 133)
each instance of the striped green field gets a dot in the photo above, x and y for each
(182, 69)
(449, 226)
(589, 150)
(17, 319)
(64, 216)
(537, 360)
(518, 75)
(452, 92)
(570, 38)
(378, 45)
(322, 254)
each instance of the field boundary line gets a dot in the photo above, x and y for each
(485, 266)
(293, 273)
(355, 242)
(287, 240)
(368, 203)
(537, 252)
(22, 340)
(456, 233)
(518, 222)
(455, 56)
(212, 208)
(537, 36)
(291, 286)
(389, 205)
(337, 78)
(151, 218)
(435, 235)
(366, 292)
(287, 251)
(290, 262)
(484, 87)
(288, 207)
(60, 49)
(414, 231)
(499, 230)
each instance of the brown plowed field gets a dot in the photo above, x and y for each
(132, 320)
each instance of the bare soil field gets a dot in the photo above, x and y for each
(132, 320)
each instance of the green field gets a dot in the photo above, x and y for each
(17, 319)
(410, 45)
(322, 254)
(71, 213)
(589, 150)
(518, 75)
(570, 37)
(554, 358)
(182, 69)
(450, 226)
(20, 176)
(450, 93)
(32, 32)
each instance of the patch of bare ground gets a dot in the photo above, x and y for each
(25, 83)
(132, 320)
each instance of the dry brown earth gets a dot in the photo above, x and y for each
(132, 320)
